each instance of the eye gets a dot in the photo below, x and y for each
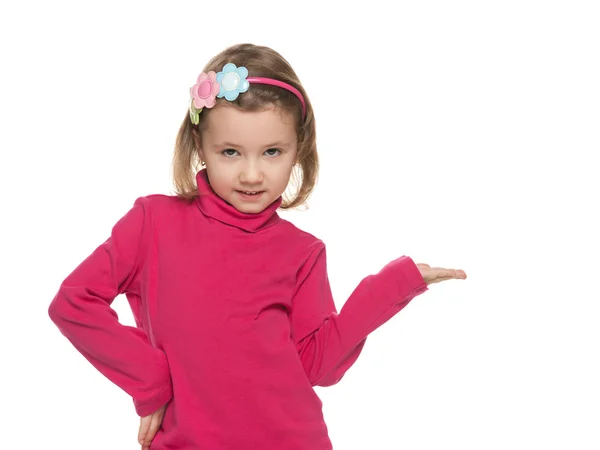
(273, 152)
(229, 152)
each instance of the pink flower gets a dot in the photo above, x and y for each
(205, 90)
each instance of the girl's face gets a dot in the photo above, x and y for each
(249, 155)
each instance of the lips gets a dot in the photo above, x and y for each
(250, 195)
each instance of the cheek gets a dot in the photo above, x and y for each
(283, 177)
(221, 176)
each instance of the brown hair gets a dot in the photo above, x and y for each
(260, 62)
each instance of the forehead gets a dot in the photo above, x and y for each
(228, 123)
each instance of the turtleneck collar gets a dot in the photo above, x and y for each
(214, 206)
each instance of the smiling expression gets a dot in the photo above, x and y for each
(249, 155)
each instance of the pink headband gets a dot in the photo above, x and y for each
(229, 83)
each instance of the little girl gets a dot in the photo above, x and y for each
(234, 313)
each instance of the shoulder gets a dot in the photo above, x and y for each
(161, 202)
(304, 241)
(161, 211)
(160, 205)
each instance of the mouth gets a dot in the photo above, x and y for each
(250, 194)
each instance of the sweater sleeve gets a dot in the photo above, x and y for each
(82, 312)
(329, 343)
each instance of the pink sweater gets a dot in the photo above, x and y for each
(235, 321)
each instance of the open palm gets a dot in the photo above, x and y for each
(437, 274)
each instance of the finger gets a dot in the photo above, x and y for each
(449, 277)
(141, 438)
(452, 273)
(437, 273)
(144, 425)
(144, 442)
(460, 274)
(438, 280)
(154, 426)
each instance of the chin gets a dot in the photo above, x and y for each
(250, 209)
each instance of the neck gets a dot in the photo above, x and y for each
(218, 209)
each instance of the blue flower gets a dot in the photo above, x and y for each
(232, 80)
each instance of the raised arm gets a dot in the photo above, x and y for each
(329, 343)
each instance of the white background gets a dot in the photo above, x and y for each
(464, 134)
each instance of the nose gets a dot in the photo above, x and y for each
(251, 173)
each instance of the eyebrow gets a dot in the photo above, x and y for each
(275, 144)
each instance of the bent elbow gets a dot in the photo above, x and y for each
(327, 380)
(335, 374)
(57, 310)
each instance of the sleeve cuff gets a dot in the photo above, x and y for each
(144, 408)
(410, 281)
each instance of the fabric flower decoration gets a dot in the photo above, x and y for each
(194, 113)
(232, 80)
(203, 93)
